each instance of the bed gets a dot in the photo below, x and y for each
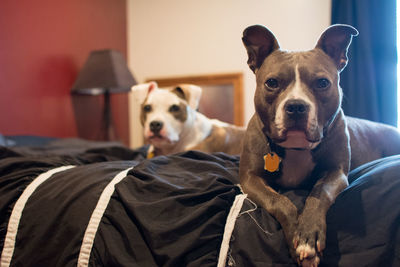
(73, 202)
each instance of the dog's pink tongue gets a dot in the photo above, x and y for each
(296, 139)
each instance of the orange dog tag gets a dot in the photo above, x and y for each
(272, 161)
(150, 155)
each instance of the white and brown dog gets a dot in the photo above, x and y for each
(172, 123)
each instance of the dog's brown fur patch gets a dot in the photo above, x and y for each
(227, 139)
(181, 114)
(143, 114)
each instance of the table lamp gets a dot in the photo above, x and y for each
(104, 72)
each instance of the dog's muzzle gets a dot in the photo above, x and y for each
(296, 132)
(296, 113)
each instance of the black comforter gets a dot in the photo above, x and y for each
(81, 203)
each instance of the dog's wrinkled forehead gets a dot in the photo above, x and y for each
(164, 97)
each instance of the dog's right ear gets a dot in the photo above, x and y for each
(141, 91)
(151, 86)
(147, 87)
(190, 92)
(259, 43)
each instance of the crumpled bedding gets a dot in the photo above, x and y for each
(107, 205)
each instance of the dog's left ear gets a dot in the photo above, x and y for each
(259, 43)
(335, 42)
(191, 93)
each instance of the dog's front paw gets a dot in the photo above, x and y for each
(309, 240)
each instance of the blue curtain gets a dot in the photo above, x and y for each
(369, 81)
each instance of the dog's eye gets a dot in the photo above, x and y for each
(174, 108)
(147, 108)
(322, 83)
(272, 83)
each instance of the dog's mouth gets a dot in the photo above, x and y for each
(157, 138)
(297, 139)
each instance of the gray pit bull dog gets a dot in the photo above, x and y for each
(299, 136)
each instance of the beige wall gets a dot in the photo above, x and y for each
(188, 37)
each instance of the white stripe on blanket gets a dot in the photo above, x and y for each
(13, 224)
(229, 226)
(91, 230)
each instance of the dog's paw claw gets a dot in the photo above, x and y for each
(310, 262)
(319, 246)
(295, 243)
(305, 251)
(307, 256)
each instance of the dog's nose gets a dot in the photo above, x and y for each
(296, 107)
(156, 126)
